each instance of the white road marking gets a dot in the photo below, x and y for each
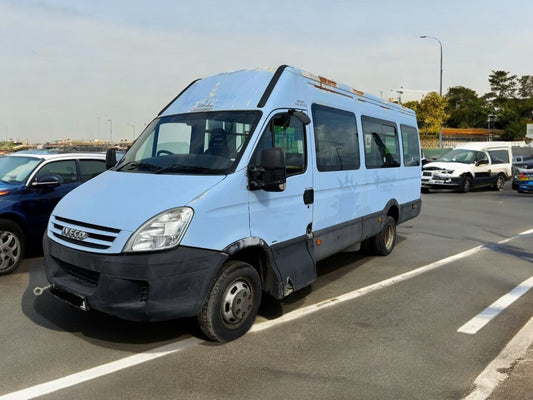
(485, 316)
(127, 362)
(101, 370)
(493, 375)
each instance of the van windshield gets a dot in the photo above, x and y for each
(193, 143)
(460, 156)
(16, 169)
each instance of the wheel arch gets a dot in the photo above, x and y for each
(256, 252)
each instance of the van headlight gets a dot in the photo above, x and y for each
(161, 232)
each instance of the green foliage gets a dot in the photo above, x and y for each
(510, 101)
(465, 108)
(430, 112)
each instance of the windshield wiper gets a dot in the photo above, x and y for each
(133, 165)
(187, 168)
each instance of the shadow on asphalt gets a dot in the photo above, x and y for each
(54, 314)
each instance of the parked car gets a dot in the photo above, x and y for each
(31, 184)
(469, 166)
(523, 176)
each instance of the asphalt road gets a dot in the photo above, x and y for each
(355, 334)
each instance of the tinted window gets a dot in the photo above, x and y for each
(499, 156)
(411, 147)
(336, 139)
(90, 168)
(381, 143)
(64, 170)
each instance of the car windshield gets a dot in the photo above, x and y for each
(460, 156)
(17, 169)
(194, 143)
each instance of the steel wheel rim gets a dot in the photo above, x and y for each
(389, 237)
(237, 301)
(9, 250)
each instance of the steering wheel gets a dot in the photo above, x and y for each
(164, 152)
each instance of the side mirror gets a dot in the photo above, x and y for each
(46, 181)
(270, 175)
(110, 158)
(481, 162)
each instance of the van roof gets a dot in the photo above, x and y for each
(483, 145)
(217, 92)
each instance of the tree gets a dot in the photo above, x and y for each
(526, 86)
(430, 112)
(465, 108)
(503, 87)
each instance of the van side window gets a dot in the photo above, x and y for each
(287, 133)
(411, 146)
(499, 156)
(336, 139)
(382, 149)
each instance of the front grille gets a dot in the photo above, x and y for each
(82, 276)
(83, 234)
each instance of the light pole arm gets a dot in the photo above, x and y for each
(440, 45)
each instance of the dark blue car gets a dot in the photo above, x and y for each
(31, 184)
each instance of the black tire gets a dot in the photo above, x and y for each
(500, 182)
(467, 184)
(11, 246)
(223, 317)
(383, 243)
(424, 190)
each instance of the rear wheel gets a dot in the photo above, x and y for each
(383, 243)
(500, 181)
(11, 246)
(232, 304)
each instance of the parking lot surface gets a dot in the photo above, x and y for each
(369, 327)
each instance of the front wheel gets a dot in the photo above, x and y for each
(383, 243)
(11, 246)
(467, 184)
(232, 304)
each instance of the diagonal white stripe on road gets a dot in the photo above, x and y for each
(101, 370)
(485, 316)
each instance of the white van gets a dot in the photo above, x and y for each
(239, 186)
(469, 166)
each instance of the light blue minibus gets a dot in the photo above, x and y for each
(239, 186)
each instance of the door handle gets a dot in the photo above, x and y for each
(309, 196)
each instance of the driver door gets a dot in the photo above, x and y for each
(284, 219)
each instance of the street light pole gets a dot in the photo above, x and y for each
(133, 126)
(440, 81)
(111, 129)
(440, 45)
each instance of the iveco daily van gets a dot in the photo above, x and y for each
(239, 186)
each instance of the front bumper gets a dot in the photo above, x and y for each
(435, 182)
(140, 287)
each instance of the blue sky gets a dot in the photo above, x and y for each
(91, 69)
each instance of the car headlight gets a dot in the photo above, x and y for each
(161, 232)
